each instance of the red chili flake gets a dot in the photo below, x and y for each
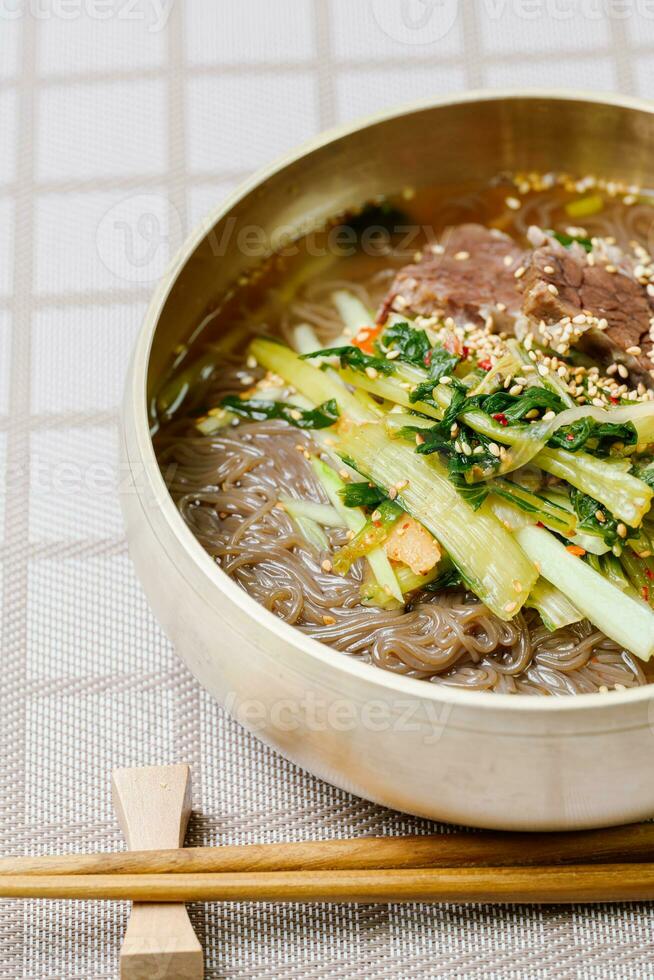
(570, 437)
(614, 400)
(501, 418)
(465, 351)
(649, 573)
(428, 356)
(485, 365)
(645, 593)
(539, 524)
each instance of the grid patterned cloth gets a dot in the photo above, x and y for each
(122, 123)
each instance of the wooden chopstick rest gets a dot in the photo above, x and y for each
(153, 805)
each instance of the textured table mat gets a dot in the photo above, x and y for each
(122, 123)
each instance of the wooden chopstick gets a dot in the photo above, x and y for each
(573, 883)
(632, 843)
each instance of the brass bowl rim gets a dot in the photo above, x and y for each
(307, 646)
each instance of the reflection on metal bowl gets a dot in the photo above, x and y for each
(499, 761)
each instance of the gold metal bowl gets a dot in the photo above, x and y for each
(501, 761)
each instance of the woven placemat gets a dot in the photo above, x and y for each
(122, 124)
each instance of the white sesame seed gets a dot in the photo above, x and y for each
(622, 371)
(392, 354)
(513, 203)
(445, 380)
(543, 370)
(519, 272)
(549, 269)
(326, 565)
(494, 449)
(508, 260)
(579, 318)
(462, 256)
(552, 288)
(634, 350)
(371, 372)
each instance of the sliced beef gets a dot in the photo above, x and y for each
(578, 287)
(468, 276)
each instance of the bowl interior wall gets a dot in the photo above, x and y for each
(463, 141)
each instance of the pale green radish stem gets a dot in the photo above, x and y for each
(316, 385)
(355, 519)
(485, 553)
(554, 608)
(627, 497)
(352, 311)
(389, 387)
(622, 618)
(322, 514)
(305, 339)
(311, 531)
